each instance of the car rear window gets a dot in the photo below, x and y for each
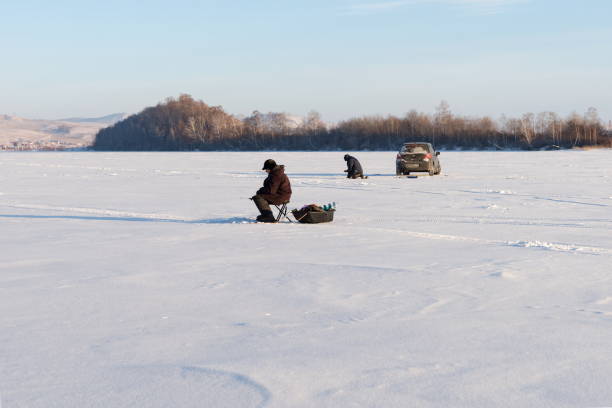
(415, 148)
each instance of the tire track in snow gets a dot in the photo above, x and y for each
(551, 246)
(535, 197)
(114, 215)
(161, 386)
(100, 212)
(535, 244)
(570, 223)
(111, 170)
(561, 247)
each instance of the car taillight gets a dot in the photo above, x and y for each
(428, 156)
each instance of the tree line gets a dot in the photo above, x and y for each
(184, 123)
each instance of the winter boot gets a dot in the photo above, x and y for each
(266, 216)
(261, 217)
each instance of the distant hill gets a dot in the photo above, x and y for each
(38, 134)
(108, 119)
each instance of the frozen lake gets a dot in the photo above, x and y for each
(139, 280)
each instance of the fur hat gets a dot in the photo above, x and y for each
(269, 164)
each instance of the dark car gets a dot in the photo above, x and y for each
(417, 156)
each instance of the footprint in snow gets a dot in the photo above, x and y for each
(504, 275)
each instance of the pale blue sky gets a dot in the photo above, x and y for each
(342, 58)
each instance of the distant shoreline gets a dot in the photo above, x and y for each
(89, 149)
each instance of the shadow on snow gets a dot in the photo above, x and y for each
(230, 220)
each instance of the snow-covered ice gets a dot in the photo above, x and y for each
(140, 280)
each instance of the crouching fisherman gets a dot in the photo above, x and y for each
(276, 190)
(354, 169)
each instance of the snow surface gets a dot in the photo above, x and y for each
(139, 280)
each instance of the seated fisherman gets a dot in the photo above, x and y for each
(354, 169)
(276, 190)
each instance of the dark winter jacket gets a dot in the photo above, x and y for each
(276, 188)
(353, 166)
